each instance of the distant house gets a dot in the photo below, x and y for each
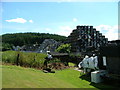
(49, 45)
(16, 48)
(30, 48)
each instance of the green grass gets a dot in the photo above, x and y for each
(71, 64)
(19, 77)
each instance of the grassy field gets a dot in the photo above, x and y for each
(19, 77)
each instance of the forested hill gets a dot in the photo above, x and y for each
(19, 39)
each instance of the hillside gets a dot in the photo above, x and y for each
(20, 39)
(19, 77)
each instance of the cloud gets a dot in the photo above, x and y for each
(110, 32)
(64, 30)
(31, 21)
(47, 29)
(17, 20)
(119, 36)
(75, 20)
(103, 27)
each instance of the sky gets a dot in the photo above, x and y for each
(60, 17)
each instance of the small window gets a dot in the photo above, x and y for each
(104, 61)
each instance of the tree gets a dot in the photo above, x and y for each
(20, 39)
(64, 48)
(6, 46)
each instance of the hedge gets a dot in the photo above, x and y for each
(25, 59)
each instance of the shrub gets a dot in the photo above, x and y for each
(39, 60)
(54, 60)
(74, 55)
(9, 57)
(75, 58)
(6, 46)
(25, 59)
(64, 48)
(71, 64)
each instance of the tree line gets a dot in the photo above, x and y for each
(20, 39)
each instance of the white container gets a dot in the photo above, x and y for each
(95, 76)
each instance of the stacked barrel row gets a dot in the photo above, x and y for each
(84, 37)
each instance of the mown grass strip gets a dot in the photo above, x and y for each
(19, 77)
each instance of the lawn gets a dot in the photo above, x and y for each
(19, 77)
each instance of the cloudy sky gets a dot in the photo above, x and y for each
(60, 17)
